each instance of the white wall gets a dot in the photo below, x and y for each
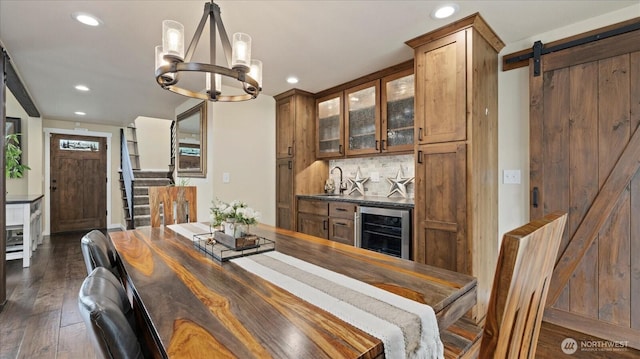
(241, 142)
(154, 143)
(513, 123)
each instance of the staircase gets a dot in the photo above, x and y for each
(143, 180)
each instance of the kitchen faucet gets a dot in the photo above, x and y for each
(341, 186)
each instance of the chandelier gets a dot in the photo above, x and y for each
(171, 60)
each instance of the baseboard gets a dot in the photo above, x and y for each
(117, 226)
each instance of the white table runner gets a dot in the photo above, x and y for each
(189, 229)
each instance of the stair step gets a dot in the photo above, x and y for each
(151, 174)
(141, 210)
(151, 182)
(140, 200)
(140, 191)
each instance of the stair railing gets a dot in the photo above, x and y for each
(127, 175)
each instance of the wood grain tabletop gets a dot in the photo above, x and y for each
(197, 307)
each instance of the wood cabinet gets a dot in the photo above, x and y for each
(331, 220)
(297, 171)
(341, 225)
(397, 112)
(362, 110)
(330, 126)
(313, 217)
(367, 116)
(442, 101)
(456, 192)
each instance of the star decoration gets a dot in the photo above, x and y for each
(357, 183)
(399, 184)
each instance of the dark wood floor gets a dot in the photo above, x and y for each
(41, 319)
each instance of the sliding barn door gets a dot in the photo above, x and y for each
(585, 155)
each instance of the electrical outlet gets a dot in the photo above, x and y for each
(375, 177)
(511, 177)
(226, 178)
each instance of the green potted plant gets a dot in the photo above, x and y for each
(13, 167)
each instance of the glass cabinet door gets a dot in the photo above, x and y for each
(330, 131)
(363, 118)
(398, 112)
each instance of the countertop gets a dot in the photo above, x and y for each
(22, 198)
(373, 201)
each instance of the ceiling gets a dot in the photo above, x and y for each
(324, 43)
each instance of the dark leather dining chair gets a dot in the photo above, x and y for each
(107, 314)
(98, 251)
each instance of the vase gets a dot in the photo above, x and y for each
(235, 229)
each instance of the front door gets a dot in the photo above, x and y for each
(78, 183)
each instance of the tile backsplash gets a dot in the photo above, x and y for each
(385, 166)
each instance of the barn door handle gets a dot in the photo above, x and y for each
(535, 195)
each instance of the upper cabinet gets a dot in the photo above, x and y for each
(371, 115)
(397, 120)
(330, 126)
(363, 118)
(285, 118)
(443, 102)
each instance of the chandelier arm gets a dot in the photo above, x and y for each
(212, 49)
(196, 36)
(224, 39)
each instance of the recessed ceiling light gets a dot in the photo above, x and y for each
(82, 88)
(80, 113)
(292, 80)
(86, 19)
(444, 11)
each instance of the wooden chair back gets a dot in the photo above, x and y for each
(179, 204)
(520, 286)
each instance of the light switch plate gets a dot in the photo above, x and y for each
(511, 177)
(226, 178)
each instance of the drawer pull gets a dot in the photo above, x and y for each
(341, 209)
(340, 224)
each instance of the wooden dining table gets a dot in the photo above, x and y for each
(189, 305)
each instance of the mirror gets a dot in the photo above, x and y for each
(191, 139)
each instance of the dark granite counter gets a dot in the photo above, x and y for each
(22, 198)
(371, 201)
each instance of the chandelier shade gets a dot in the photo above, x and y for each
(171, 60)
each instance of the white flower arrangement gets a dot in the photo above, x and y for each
(236, 211)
